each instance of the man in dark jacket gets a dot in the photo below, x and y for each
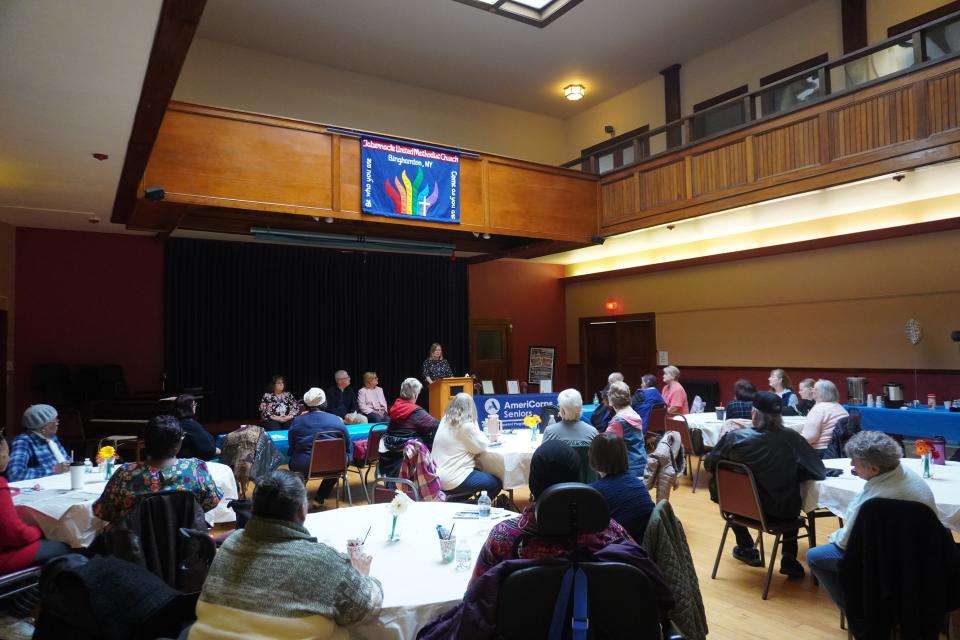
(341, 398)
(780, 460)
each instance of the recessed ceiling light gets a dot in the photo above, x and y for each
(574, 91)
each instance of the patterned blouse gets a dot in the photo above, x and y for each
(136, 479)
(436, 369)
(519, 538)
(273, 405)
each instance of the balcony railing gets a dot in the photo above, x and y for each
(928, 44)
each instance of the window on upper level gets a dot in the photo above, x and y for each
(805, 88)
(616, 152)
(718, 118)
(539, 13)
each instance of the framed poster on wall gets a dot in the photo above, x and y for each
(540, 364)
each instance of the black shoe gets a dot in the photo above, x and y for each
(748, 556)
(791, 567)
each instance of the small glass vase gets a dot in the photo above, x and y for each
(394, 534)
(927, 464)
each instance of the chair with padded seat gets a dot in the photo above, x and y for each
(739, 501)
(692, 440)
(328, 461)
(531, 600)
(16, 581)
(370, 459)
(656, 421)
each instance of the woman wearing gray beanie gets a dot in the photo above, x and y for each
(37, 452)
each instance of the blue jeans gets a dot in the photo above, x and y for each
(823, 561)
(480, 481)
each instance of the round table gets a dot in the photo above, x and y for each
(711, 428)
(417, 587)
(836, 493)
(510, 461)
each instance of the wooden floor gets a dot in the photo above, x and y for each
(795, 608)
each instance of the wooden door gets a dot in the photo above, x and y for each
(490, 351)
(627, 344)
(4, 374)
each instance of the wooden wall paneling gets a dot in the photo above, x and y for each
(335, 170)
(241, 161)
(720, 169)
(663, 184)
(472, 194)
(943, 102)
(541, 203)
(617, 198)
(349, 175)
(786, 149)
(871, 124)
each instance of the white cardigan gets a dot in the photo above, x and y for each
(455, 451)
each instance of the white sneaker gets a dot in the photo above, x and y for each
(15, 628)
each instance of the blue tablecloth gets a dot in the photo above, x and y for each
(279, 437)
(511, 408)
(919, 421)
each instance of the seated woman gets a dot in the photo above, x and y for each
(552, 463)
(278, 407)
(626, 494)
(741, 407)
(304, 431)
(408, 421)
(646, 398)
(818, 428)
(37, 452)
(805, 391)
(161, 471)
(876, 458)
(197, 443)
(571, 429)
(455, 449)
(781, 385)
(371, 400)
(627, 424)
(21, 546)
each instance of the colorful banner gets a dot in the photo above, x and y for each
(404, 181)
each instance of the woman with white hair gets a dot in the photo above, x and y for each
(571, 429)
(826, 412)
(456, 446)
(674, 395)
(876, 458)
(408, 421)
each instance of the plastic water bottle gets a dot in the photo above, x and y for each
(483, 505)
(87, 465)
(596, 400)
(551, 420)
(462, 555)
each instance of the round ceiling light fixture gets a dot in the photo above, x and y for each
(574, 91)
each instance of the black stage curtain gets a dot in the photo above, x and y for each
(238, 313)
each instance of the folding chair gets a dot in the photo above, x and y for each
(383, 492)
(371, 457)
(656, 420)
(692, 444)
(739, 502)
(328, 461)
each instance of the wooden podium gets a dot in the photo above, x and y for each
(442, 390)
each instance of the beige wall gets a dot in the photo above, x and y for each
(228, 76)
(8, 255)
(882, 14)
(838, 307)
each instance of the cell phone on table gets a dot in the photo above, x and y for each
(833, 473)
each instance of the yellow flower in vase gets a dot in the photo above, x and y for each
(533, 423)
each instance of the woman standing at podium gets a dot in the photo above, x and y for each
(435, 367)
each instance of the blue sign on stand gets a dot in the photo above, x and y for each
(513, 408)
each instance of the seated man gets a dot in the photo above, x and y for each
(647, 397)
(571, 429)
(602, 414)
(780, 460)
(341, 398)
(37, 452)
(304, 431)
(741, 407)
(876, 458)
(272, 579)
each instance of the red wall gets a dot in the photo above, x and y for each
(88, 298)
(531, 297)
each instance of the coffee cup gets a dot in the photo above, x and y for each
(355, 547)
(77, 471)
(448, 547)
(721, 413)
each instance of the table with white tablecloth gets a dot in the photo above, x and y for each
(417, 586)
(509, 460)
(836, 493)
(710, 427)
(67, 515)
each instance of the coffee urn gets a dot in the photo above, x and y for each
(893, 395)
(856, 389)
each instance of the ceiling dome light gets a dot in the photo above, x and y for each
(574, 91)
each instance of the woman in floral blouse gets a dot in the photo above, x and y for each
(278, 407)
(435, 367)
(162, 471)
(553, 462)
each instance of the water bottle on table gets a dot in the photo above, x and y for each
(483, 505)
(463, 555)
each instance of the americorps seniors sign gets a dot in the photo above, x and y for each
(406, 181)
